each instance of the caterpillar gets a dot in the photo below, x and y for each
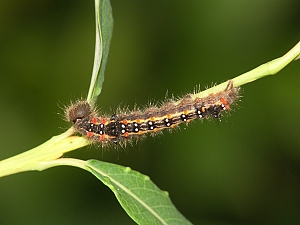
(125, 126)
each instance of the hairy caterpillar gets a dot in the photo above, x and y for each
(123, 127)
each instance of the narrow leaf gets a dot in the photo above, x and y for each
(104, 27)
(143, 201)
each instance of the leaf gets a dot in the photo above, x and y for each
(104, 28)
(143, 201)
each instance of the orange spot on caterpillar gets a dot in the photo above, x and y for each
(126, 134)
(103, 121)
(169, 116)
(89, 134)
(225, 103)
(94, 120)
(124, 121)
(102, 137)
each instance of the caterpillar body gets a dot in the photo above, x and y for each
(124, 127)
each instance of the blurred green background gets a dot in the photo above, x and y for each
(244, 170)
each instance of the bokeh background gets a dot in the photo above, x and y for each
(243, 170)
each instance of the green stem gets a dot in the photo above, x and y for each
(51, 149)
(62, 162)
(269, 68)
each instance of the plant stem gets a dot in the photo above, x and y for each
(50, 150)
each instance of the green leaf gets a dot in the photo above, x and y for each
(143, 201)
(104, 28)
